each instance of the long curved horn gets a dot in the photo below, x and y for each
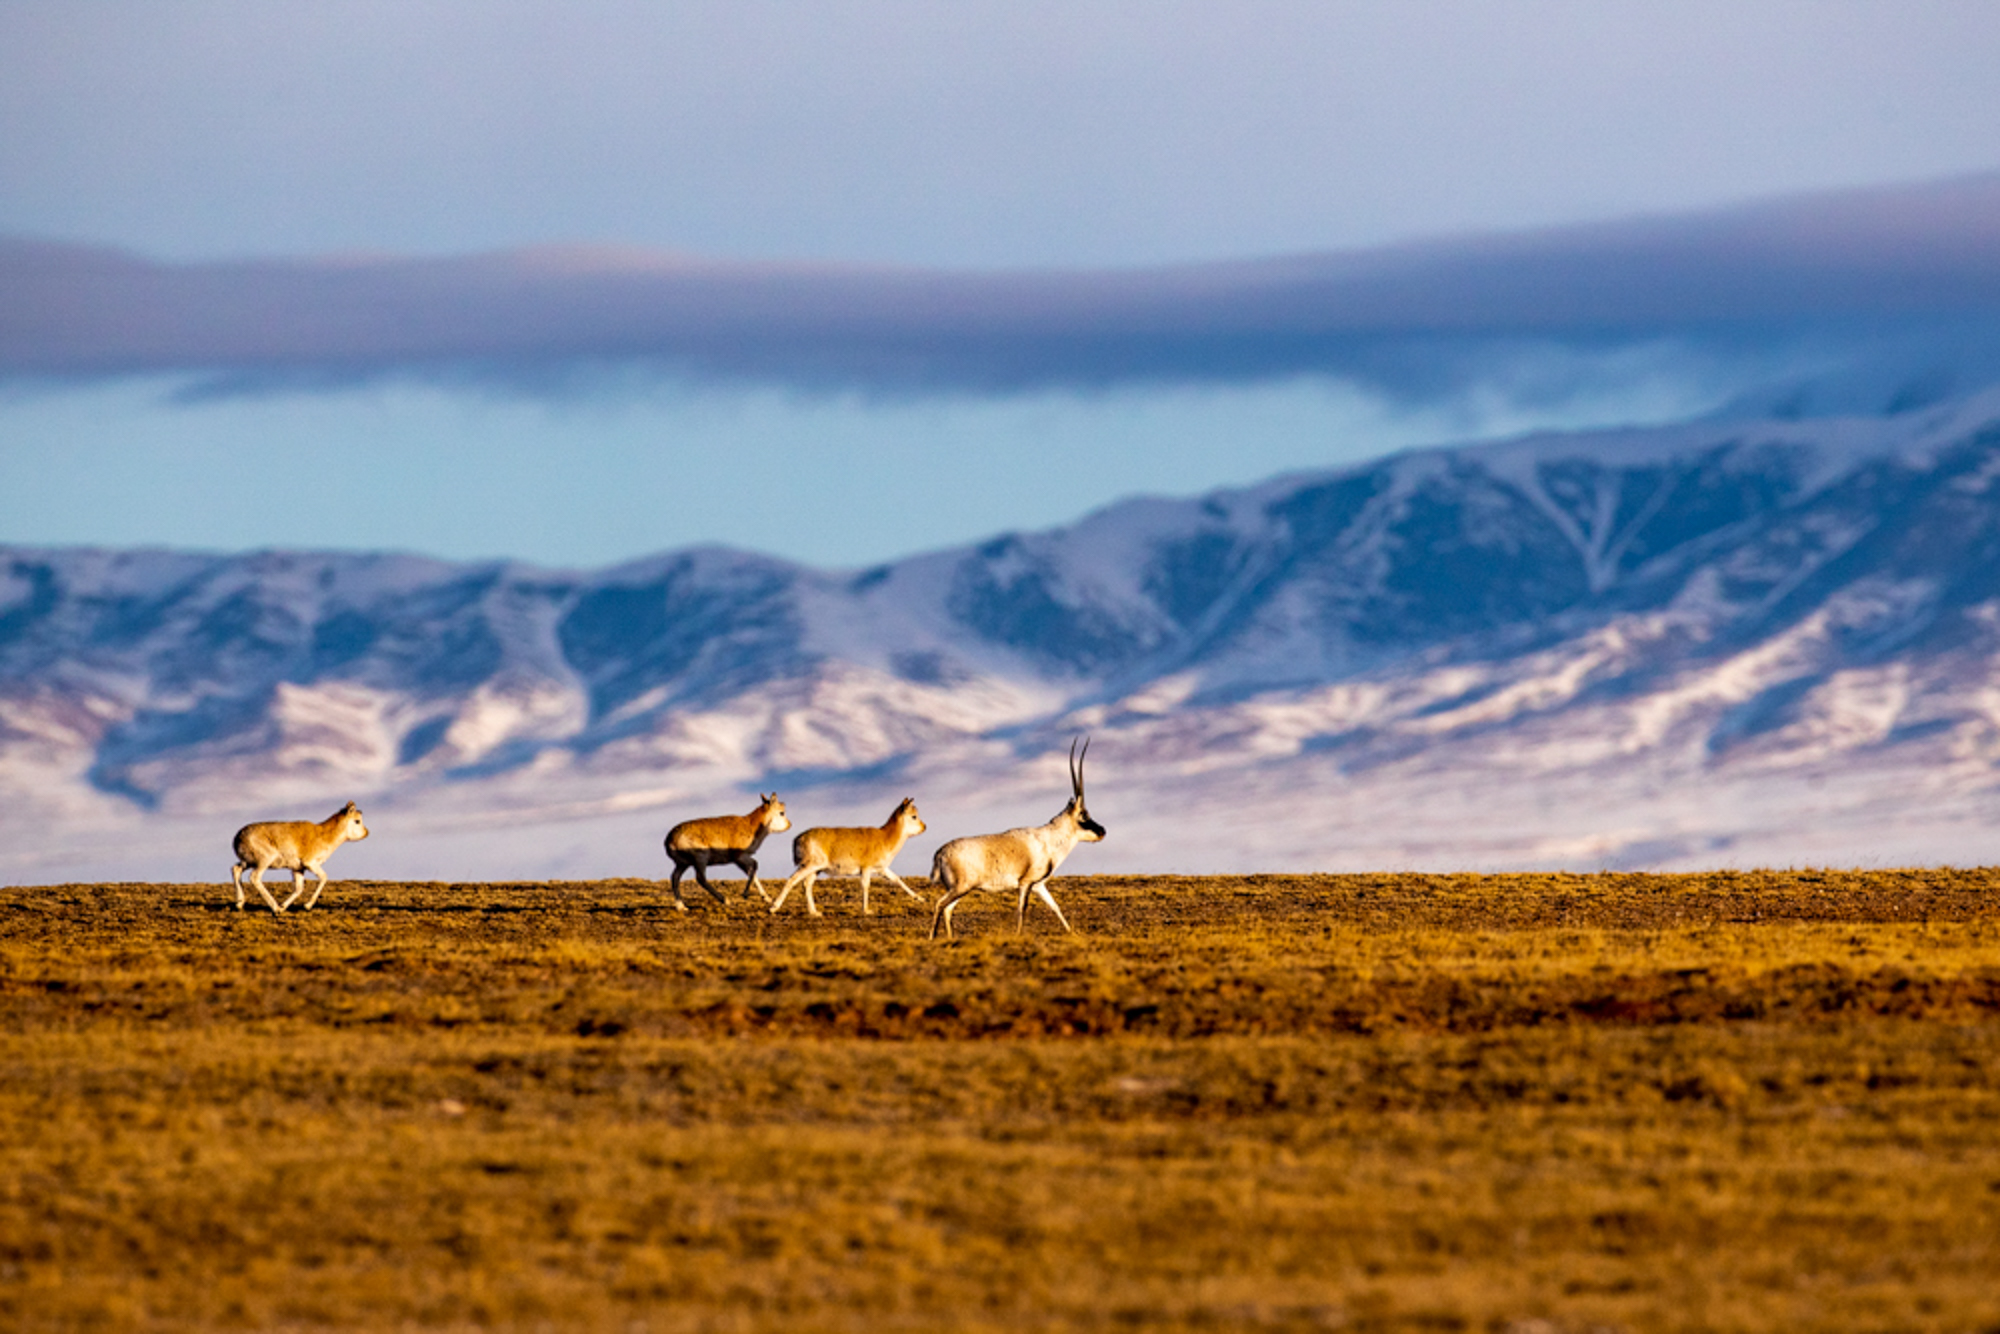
(1076, 765)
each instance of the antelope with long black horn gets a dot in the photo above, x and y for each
(1021, 860)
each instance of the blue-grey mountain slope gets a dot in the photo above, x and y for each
(1739, 640)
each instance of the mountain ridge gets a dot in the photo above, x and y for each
(1798, 606)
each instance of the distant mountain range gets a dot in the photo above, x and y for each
(1726, 643)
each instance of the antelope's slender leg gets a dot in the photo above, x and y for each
(812, 904)
(701, 878)
(319, 871)
(1042, 893)
(236, 878)
(257, 879)
(298, 885)
(865, 873)
(805, 873)
(680, 869)
(897, 881)
(943, 913)
(1021, 910)
(749, 867)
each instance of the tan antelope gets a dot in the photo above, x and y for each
(723, 840)
(1020, 859)
(298, 846)
(846, 851)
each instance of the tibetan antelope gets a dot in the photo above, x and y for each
(846, 851)
(723, 840)
(298, 846)
(1020, 859)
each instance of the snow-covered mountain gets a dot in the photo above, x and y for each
(1725, 643)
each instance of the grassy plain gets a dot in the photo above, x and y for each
(1741, 1101)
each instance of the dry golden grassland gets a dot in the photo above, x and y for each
(1757, 1101)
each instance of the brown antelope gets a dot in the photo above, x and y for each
(723, 840)
(845, 851)
(298, 846)
(1020, 859)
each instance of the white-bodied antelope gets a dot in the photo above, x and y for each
(846, 851)
(722, 840)
(1020, 859)
(298, 846)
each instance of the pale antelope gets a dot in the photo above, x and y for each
(298, 846)
(846, 851)
(1020, 859)
(723, 840)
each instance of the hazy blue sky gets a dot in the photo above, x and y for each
(955, 134)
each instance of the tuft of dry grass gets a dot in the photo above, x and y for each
(1741, 1101)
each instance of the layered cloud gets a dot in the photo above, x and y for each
(1905, 279)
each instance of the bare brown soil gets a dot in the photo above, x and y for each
(1759, 1101)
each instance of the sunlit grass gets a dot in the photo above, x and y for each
(1756, 1102)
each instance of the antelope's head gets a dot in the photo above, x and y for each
(771, 814)
(906, 818)
(351, 828)
(1087, 829)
